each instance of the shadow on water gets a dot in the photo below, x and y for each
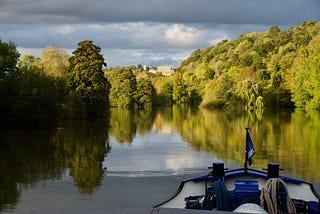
(27, 157)
(31, 156)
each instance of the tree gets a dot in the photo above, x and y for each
(9, 56)
(165, 94)
(8, 61)
(34, 99)
(273, 30)
(86, 78)
(217, 92)
(123, 87)
(145, 94)
(53, 61)
(27, 62)
(266, 59)
(306, 80)
(179, 91)
(248, 91)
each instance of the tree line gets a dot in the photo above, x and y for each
(276, 68)
(40, 91)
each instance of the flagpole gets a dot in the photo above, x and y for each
(246, 153)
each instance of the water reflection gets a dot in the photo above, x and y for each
(84, 146)
(283, 136)
(26, 158)
(125, 123)
(290, 138)
(30, 156)
(168, 140)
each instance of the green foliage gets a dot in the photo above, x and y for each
(37, 91)
(195, 56)
(34, 99)
(86, 78)
(123, 87)
(217, 92)
(194, 97)
(145, 94)
(54, 62)
(129, 90)
(276, 97)
(179, 90)
(9, 56)
(272, 68)
(266, 65)
(27, 62)
(84, 149)
(306, 81)
(166, 92)
(254, 70)
(248, 92)
(29, 97)
(122, 125)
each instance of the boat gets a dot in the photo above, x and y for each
(245, 190)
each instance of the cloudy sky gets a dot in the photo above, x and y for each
(132, 32)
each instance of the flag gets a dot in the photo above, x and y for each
(250, 149)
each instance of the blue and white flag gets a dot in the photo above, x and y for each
(250, 149)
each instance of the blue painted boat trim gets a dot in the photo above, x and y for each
(247, 172)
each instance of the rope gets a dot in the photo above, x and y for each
(222, 197)
(268, 196)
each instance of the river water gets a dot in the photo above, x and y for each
(137, 159)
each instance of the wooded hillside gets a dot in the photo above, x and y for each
(272, 68)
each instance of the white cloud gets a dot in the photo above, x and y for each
(179, 34)
(125, 44)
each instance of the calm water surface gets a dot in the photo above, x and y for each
(138, 159)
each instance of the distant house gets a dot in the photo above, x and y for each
(165, 70)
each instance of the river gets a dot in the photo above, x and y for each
(137, 159)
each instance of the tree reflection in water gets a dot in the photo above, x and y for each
(28, 157)
(85, 148)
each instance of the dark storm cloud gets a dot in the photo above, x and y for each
(144, 31)
(284, 12)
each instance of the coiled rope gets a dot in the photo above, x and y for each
(219, 198)
(268, 196)
(222, 196)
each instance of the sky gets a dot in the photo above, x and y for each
(152, 32)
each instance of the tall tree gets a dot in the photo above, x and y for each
(8, 60)
(123, 87)
(53, 61)
(86, 77)
(9, 56)
(34, 99)
(145, 94)
(179, 91)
